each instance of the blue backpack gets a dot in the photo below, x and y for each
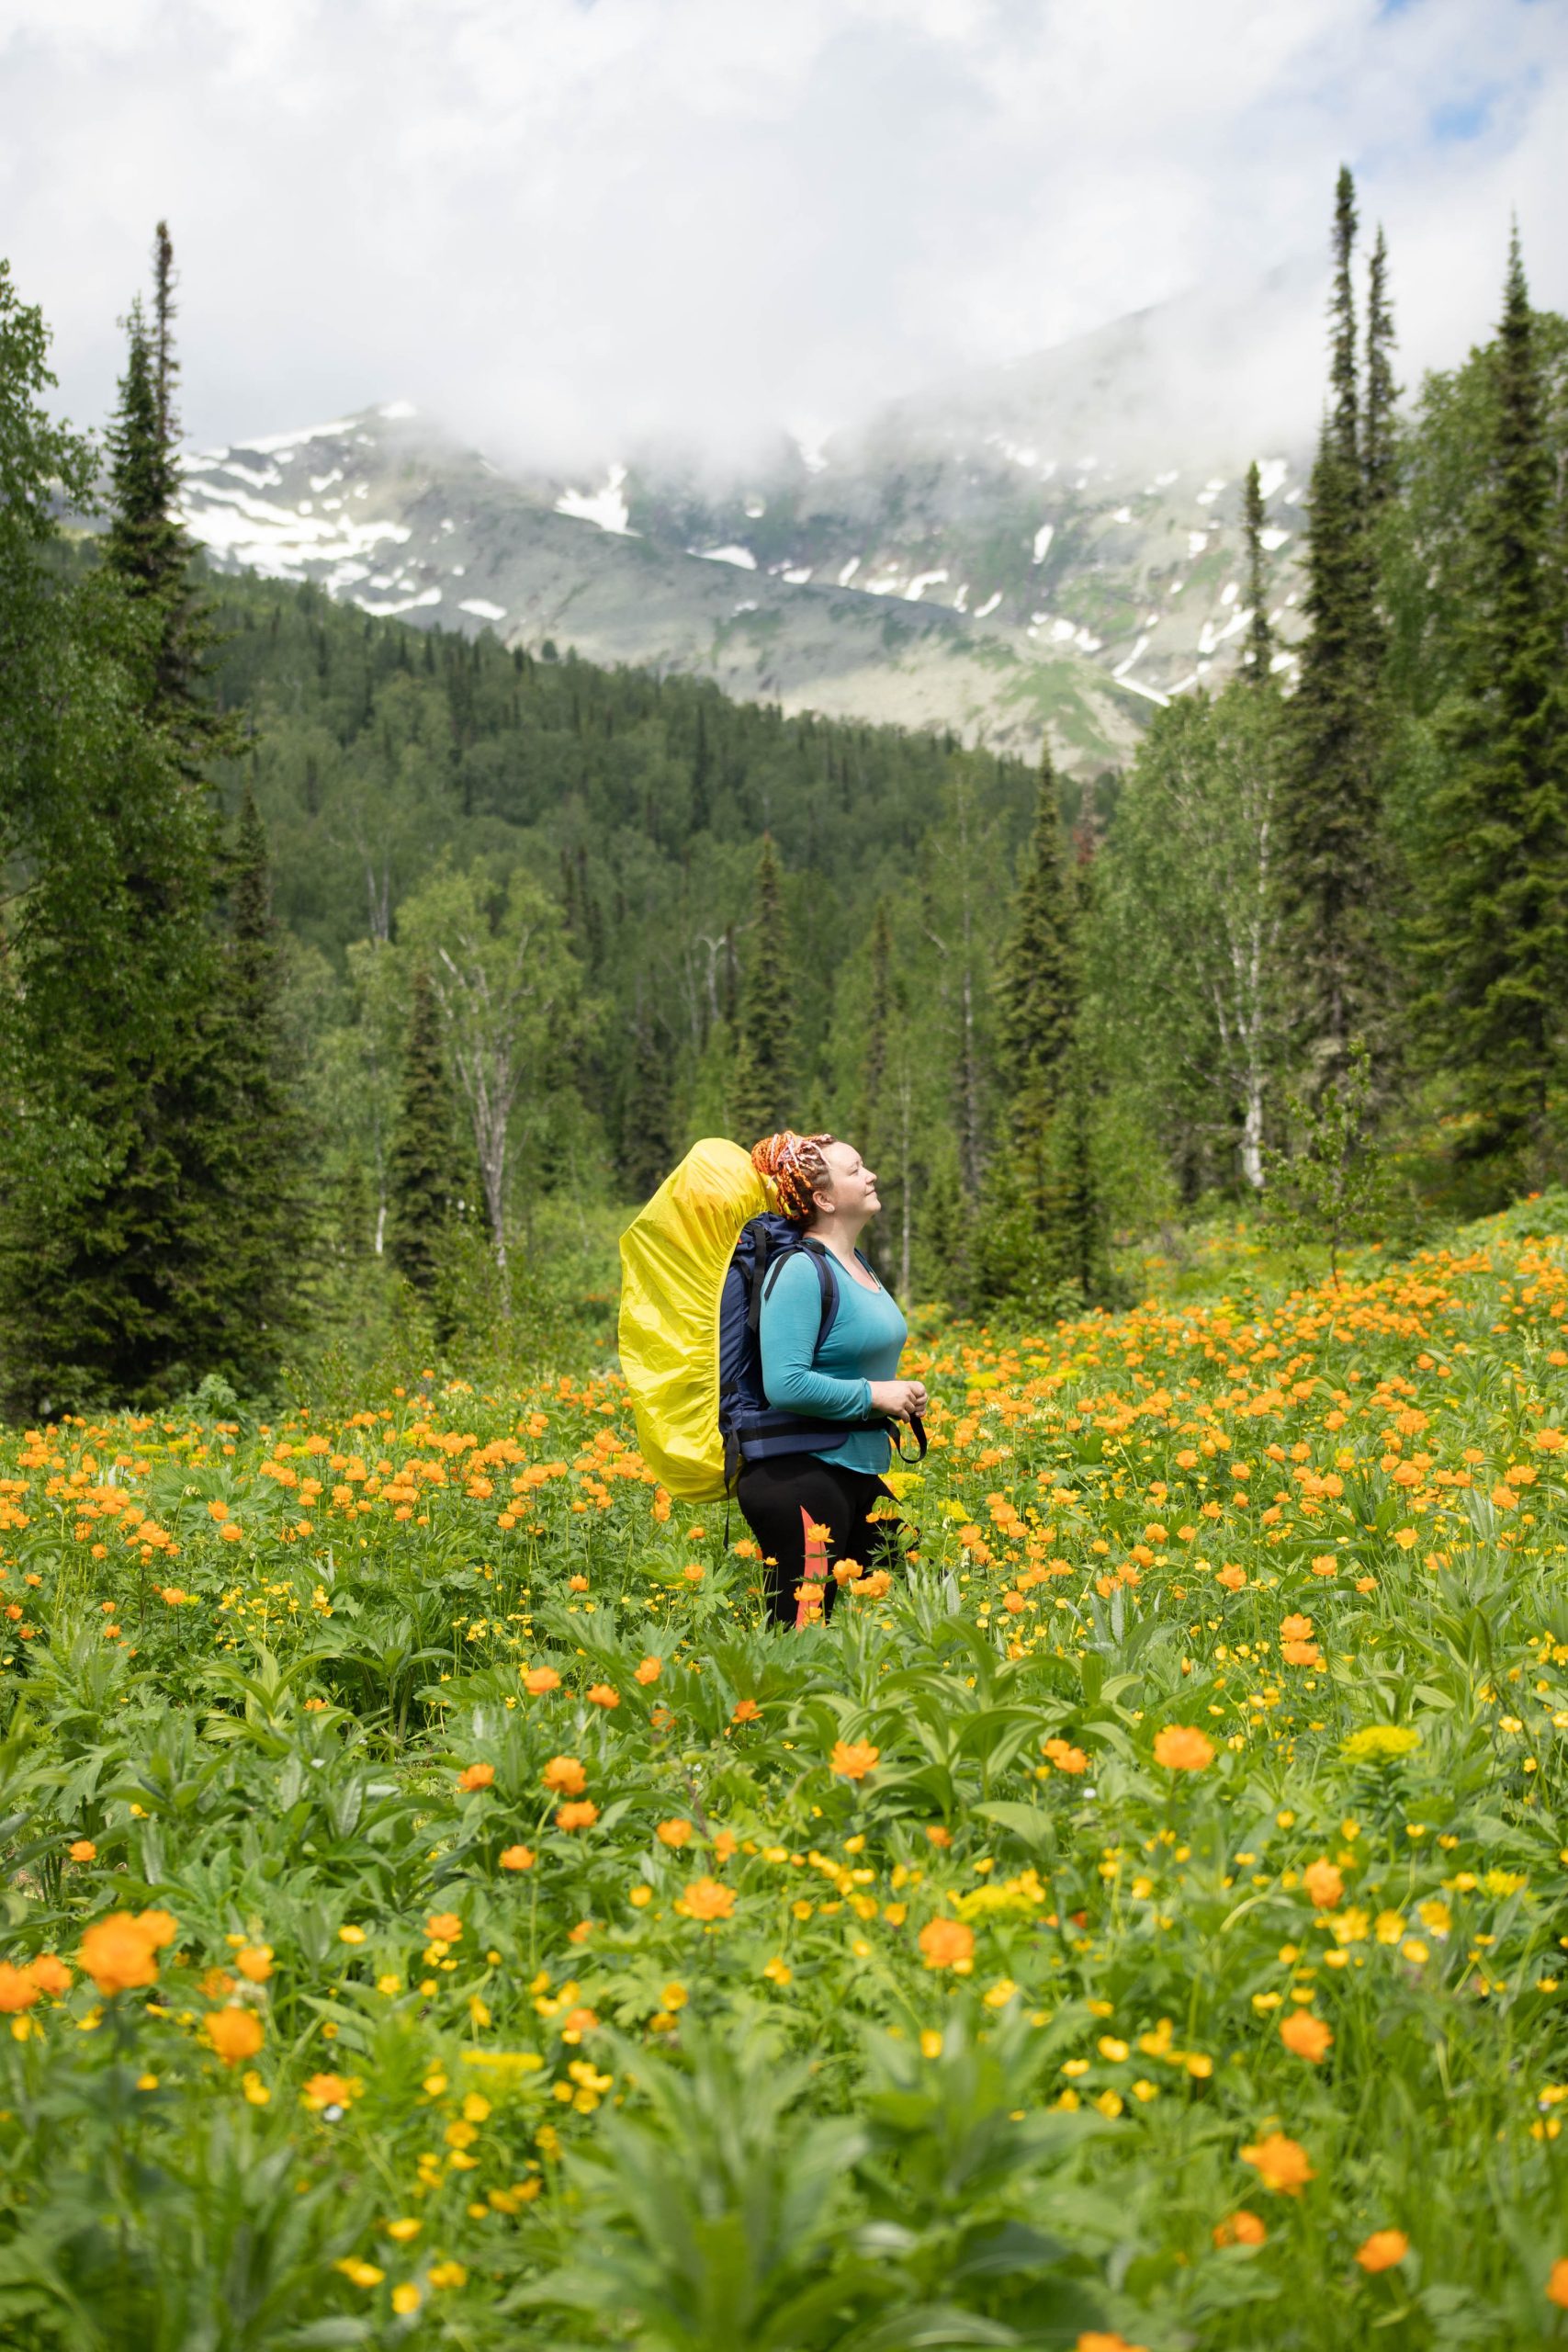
(752, 1429)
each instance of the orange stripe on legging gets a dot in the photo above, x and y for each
(814, 1561)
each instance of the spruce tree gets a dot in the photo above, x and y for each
(1499, 876)
(1378, 444)
(166, 1242)
(762, 1094)
(1035, 1238)
(146, 547)
(647, 1149)
(1036, 990)
(259, 1206)
(421, 1182)
(1332, 818)
(879, 1013)
(878, 1128)
(1258, 652)
(115, 1256)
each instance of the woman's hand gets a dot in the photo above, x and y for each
(900, 1398)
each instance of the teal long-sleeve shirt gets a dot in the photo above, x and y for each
(833, 1381)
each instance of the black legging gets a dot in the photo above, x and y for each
(783, 1498)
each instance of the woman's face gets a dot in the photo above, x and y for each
(854, 1185)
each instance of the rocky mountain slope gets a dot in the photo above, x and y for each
(1042, 548)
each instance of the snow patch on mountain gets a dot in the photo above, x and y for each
(606, 507)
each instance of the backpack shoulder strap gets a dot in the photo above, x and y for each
(827, 1286)
(754, 1270)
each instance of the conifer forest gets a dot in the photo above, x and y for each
(438, 1908)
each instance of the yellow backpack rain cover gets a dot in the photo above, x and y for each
(674, 1256)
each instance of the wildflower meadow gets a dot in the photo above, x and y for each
(437, 1911)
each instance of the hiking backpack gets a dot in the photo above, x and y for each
(695, 1266)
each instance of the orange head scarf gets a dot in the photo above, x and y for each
(796, 1168)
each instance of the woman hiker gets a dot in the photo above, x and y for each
(809, 1509)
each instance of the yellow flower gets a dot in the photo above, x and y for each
(359, 2273)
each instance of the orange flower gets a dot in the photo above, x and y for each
(1305, 2037)
(1182, 1747)
(565, 1775)
(1096, 2339)
(673, 1833)
(1242, 2229)
(1557, 2284)
(329, 2090)
(49, 1974)
(117, 1952)
(707, 1898)
(1324, 1883)
(19, 1988)
(948, 1944)
(647, 1672)
(853, 1759)
(1064, 1755)
(233, 2033)
(1382, 2250)
(1283, 2164)
(442, 1927)
(218, 1511)
(476, 1776)
(540, 1678)
(516, 1858)
(937, 1834)
(1296, 1628)
(254, 1962)
(747, 1711)
(581, 1815)
(1301, 1653)
(82, 1849)
(1230, 1575)
(601, 1694)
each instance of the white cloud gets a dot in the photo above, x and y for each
(562, 225)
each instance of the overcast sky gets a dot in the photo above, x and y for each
(558, 224)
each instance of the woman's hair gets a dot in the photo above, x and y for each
(796, 1166)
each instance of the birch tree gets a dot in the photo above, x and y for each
(1191, 962)
(507, 985)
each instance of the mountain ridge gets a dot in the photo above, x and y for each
(958, 560)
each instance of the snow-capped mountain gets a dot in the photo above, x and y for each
(1042, 546)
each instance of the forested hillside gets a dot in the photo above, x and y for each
(384, 758)
(350, 967)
